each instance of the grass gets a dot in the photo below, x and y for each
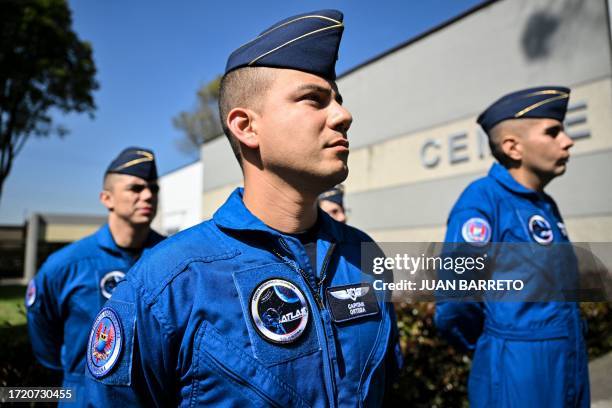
(18, 367)
(12, 309)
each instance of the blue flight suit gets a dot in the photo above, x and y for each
(189, 333)
(65, 296)
(527, 354)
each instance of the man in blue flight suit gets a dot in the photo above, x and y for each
(264, 304)
(64, 297)
(527, 354)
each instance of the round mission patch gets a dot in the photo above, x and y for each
(105, 341)
(279, 311)
(476, 231)
(540, 230)
(109, 282)
(30, 297)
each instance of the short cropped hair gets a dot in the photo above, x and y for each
(496, 136)
(244, 88)
(109, 181)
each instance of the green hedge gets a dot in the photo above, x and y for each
(435, 374)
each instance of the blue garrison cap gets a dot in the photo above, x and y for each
(335, 195)
(135, 161)
(307, 42)
(541, 102)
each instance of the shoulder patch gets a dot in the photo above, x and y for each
(105, 343)
(476, 231)
(30, 296)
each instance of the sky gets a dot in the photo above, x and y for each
(151, 57)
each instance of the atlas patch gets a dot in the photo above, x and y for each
(30, 296)
(279, 311)
(351, 302)
(105, 343)
(540, 230)
(109, 282)
(476, 231)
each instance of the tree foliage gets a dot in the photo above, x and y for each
(43, 66)
(202, 124)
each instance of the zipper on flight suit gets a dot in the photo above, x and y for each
(317, 296)
(316, 291)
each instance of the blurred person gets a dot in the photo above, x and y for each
(72, 285)
(332, 202)
(265, 304)
(527, 354)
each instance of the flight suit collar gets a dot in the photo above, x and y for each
(235, 216)
(106, 241)
(500, 174)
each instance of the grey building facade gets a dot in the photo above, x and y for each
(415, 143)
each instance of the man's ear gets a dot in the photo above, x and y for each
(242, 122)
(512, 147)
(106, 198)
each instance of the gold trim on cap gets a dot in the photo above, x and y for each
(294, 40)
(336, 22)
(339, 189)
(147, 158)
(560, 95)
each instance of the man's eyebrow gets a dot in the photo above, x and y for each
(319, 88)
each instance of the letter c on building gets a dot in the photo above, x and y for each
(430, 160)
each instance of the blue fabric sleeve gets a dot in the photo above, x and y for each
(461, 322)
(45, 325)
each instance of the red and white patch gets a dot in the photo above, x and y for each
(476, 231)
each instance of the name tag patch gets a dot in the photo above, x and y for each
(351, 302)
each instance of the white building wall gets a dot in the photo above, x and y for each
(180, 199)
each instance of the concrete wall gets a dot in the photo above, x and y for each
(67, 232)
(180, 199)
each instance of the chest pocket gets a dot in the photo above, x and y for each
(265, 348)
(536, 252)
(530, 224)
(224, 371)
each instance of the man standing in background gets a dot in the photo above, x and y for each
(63, 298)
(527, 353)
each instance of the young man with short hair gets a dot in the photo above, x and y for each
(528, 352)
(64, 297)
(265, 304)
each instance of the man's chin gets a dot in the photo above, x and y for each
(560, 170)
(142, 221)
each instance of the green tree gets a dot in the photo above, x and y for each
(44, 66)
(202, 124)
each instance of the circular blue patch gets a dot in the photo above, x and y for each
(279, 311)
(540, 230)
(109, 282)
(476, 231)
(105, 342)
(30, 297)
